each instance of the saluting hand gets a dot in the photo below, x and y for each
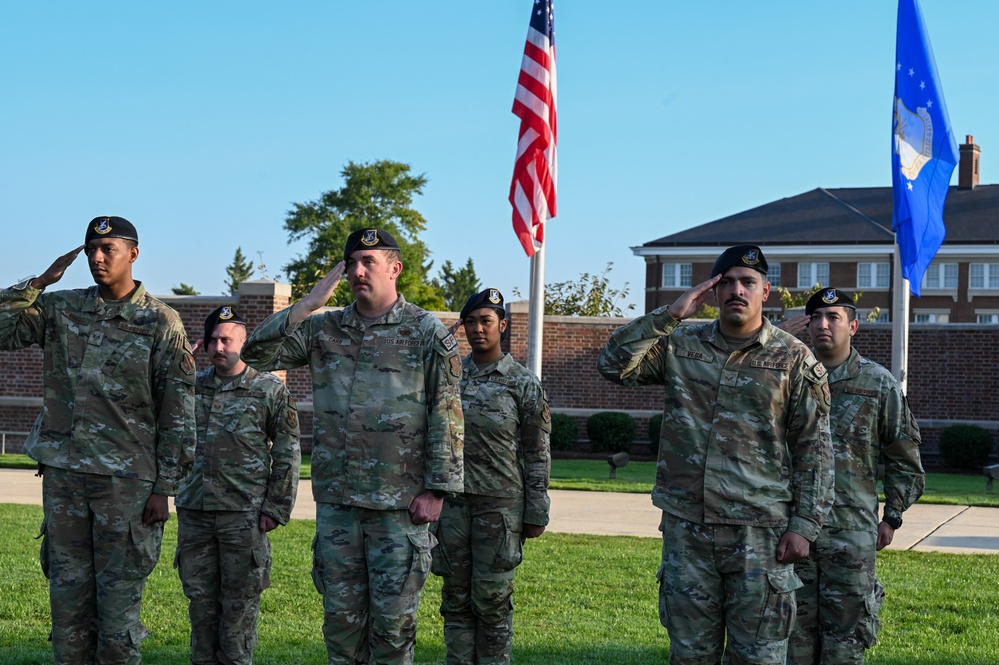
(57, 269)
(454, 326)
(319, 295)
(795, 325)
(690, 302)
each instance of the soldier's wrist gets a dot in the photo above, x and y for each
(894, 521)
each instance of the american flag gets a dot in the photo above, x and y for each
(535, 172)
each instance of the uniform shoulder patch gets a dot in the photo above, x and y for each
(454, 366)
(815, 372)
(447, 340)
(291, 418)
(187, 364)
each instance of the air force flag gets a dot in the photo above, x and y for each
(924, 152)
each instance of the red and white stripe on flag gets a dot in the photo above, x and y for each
(535, 171)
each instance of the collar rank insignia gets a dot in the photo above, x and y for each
(751, 257)
(225, 314)
(829, 297)
(494, 296)
(369, 238)
(103, 226)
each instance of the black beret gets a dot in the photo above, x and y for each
(829, 298)
(368, 239)
(486, 298)
(111, 227)
(224, 314)
(746, 256)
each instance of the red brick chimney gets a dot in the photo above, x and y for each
(967, 174)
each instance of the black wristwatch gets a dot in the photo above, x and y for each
(893, 522)
(440, 494)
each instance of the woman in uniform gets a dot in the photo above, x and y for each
(507, 466)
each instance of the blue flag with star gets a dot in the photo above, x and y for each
(924, 151)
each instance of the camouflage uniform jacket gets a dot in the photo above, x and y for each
(507, 427)
(387, 413)
(118, 382)
(248, 454)
(745, 434)
(871, 424)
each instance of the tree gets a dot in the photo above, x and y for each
(184, 290)
(590, 295)
(374, 195)
(238, 271)
(790, 300)
(456, 285)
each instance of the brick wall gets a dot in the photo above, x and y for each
(949, 378)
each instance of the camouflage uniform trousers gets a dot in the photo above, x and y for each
(479, 546)
(96, 554)
(224, 562)
(839, 602)
(719, 581)
(370, 567)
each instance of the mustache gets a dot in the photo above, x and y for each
(738, 300)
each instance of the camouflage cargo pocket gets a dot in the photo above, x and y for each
(780, 607)
(43, 550)
(318, 580)
(509, 551)
(867, 629)
(422, 542)
(663, 602)
(262, 563)
(439, 563)
(144, 546)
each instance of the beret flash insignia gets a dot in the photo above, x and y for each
(751, 257)
(103, 226)
(369, 238)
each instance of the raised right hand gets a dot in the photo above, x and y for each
(690, 302)
(56, 270)
(319, 295)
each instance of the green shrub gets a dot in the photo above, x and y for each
(965, 446)
(655, 429)
(610, 431)
(565, 432)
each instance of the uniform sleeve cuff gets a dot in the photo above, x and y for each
(804, 527)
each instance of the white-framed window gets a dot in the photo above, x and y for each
(983, 276)
(940, 276)
(988, 318)
(677, 275)
(883, 315)
(773, 274)
(932, 317)
(810, 274)
(873, 275)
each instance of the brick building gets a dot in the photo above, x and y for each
(843, 238)
(950, 379)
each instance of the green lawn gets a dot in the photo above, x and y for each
(580, 600)
(941, 488)
(638, 477)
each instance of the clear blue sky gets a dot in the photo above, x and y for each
(202, 122)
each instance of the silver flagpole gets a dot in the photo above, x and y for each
(900, 323)
(536, 314)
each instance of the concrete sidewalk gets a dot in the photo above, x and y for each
(927, 528)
